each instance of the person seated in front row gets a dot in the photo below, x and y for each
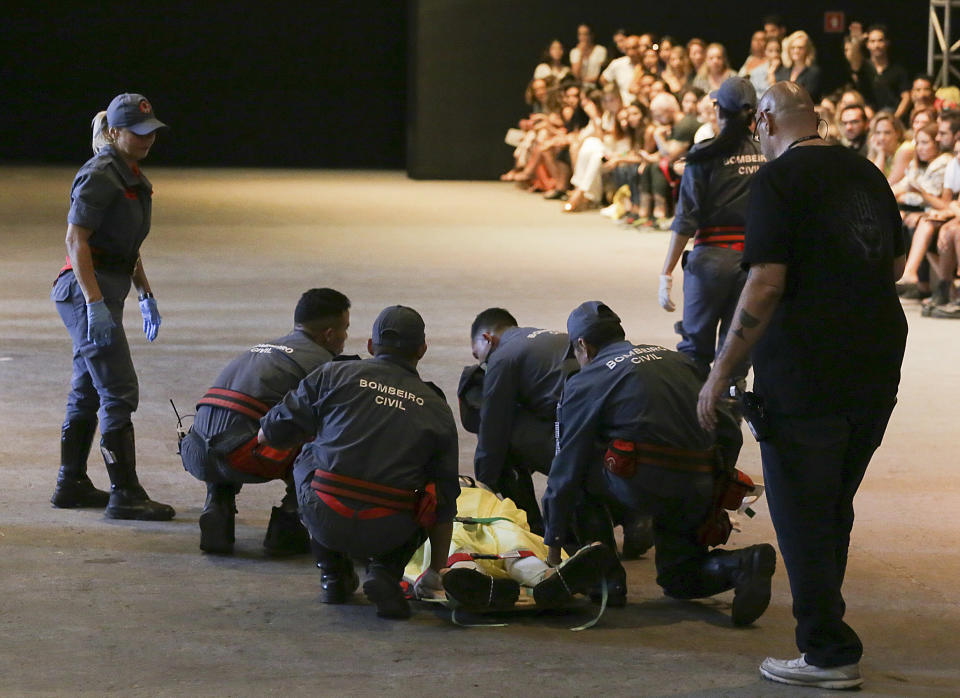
(921, 192)
(221, 447)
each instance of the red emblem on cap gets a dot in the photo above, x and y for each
(145, 106)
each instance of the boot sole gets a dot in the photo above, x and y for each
(473, 589)
(64, 503)
(137, 514)
(578, 574)
(751, 600)
(87, 498)
(825, 683)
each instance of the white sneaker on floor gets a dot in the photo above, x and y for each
(797, 672)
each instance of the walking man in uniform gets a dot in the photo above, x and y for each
(628, 434)
(525, 370)
(221, 448)
(381, 474)
(819, 314)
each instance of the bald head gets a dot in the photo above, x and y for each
(785, 97)
(788, 114)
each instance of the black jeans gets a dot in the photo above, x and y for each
(812, 468)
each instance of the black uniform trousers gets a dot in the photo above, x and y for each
(812, 467)
(679, 503)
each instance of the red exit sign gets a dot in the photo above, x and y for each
(833, 22)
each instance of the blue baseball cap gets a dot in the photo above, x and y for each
(398, 326)
(134, 112)
(589, 316)
(735, 94)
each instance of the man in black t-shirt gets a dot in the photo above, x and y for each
(891, 82)
(820, 318)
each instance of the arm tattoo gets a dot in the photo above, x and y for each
(746, 321)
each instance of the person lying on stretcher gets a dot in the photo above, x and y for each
(494, 558)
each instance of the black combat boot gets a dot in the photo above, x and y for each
(74, 489)
(578, 574)
(285, 534)
(127, 497)
(382, 587)
(637, 534)
(218, 519)
(338, 579)
(748, 572)
(592, 523)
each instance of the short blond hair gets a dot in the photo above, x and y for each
(788, 42)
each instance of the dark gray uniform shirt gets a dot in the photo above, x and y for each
(714, 193)
(641, 393)
(525, 371)
(374, 420)
(265, 372)
(113, 201)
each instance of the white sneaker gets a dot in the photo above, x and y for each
(798, 673)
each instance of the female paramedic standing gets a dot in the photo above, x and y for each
(108, 220)
(712, 209)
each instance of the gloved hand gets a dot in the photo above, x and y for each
(666, 284)
(428, 585)
(99, 323)
(151, 317)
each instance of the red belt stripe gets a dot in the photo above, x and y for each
(345, 511)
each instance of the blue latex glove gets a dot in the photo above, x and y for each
(99, 324)
(151, 318)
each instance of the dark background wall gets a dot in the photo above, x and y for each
(325, 83)
(318, 84)
(471, 61)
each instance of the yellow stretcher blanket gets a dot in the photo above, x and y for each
(493, 538)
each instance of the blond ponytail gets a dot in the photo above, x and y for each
(100, 137)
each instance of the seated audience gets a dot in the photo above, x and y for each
(904, 154)
(715, 69)
(921, 191)
(886, 135)
(677, 74)
(798, 63)
(764, 74)
(587, 58)
(697, 52)
(690, 99)
(672, 134)
(921, 93)
(667, 44)
(756, 57)
(943, 302)
(619, 41)
(650, 61)
(853, 129)
(621, 70)
(552, 63)
(595, 149)
(707, 117)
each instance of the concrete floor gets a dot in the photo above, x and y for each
(94, 607)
